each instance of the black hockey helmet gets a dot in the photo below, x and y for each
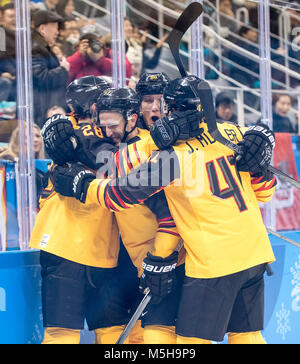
(152, 83)
(83, 93)
(123, 100)
(179, 95)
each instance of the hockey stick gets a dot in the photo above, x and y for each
(275, 233)
(183, 23)
(135, 317)
(203, 91)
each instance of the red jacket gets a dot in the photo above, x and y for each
(81, 66)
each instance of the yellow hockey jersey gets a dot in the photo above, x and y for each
(140, 225)
(214, 206)
(83, 234)
(64, 227)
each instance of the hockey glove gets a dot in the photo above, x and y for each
(257, 149)
(159, 275)
(59, 139)
(180, 125)
(72, 180)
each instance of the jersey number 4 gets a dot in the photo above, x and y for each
(232, 190)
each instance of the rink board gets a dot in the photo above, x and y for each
(20, 296)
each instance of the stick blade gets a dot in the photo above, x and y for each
(185, 20)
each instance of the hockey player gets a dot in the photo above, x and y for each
(124, 103)
(79, 245)
(218, 218)
(150, 88)
(138, 226)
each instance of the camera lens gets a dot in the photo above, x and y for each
(95, 46)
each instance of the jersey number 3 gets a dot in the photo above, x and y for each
(232, 190)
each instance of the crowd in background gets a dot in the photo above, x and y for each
(66, 47)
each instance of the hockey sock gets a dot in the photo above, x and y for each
(254, 337)
(109, 335)
(58, 335)
(191, 340)
(156, 334)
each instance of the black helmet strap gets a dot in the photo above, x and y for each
(126, 133)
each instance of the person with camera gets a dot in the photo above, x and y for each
(92, 59)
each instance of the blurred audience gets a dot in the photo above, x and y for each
(50, 75)
(12, 151)
(281, 107)
(69, 37)
(248, 42)
(8, 56)
(226, 19)
(46, 5)
(65, 9)
(63, 51)
(136, 49)
(225, 108)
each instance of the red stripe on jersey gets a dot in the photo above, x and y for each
(167, 232)
(98, 190)
(168, 218)
(121, 202)
(117, 159)
(129, 164)
(109, 204)
(126, 197)
(266, 186)
(136, 153)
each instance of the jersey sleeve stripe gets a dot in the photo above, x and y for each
(117, 161)
(136, 153)
(127, 157)
(167, 232)
(120, 201)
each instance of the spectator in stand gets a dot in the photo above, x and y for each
(225, 108)
(69, 37)
(226, 18)
(135, 48)
(92, 59)
(294, 54)
(13, 150)
(65, 8)
(248, 42)
(49, 5)
(50, 75)
(8, 57)
(281, 107)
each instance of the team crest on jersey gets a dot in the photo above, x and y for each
(107, 92)
(153, 77)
